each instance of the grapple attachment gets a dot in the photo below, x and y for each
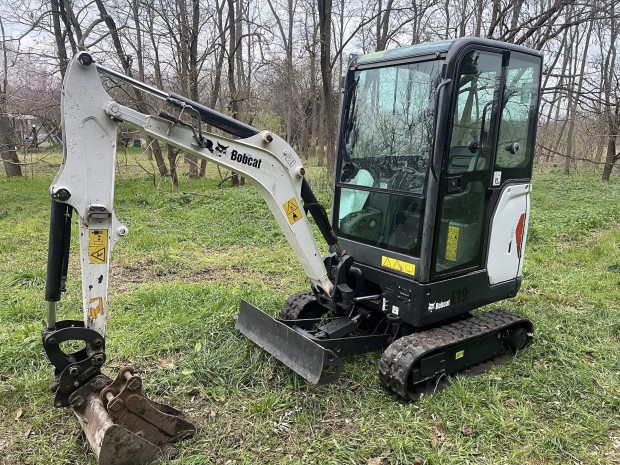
(122, 426)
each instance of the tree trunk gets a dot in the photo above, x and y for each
(314, 91)
(7, 134)
(572, 97)
(383, 22)
(232, 83)
(235, 63)
(123, 58)
(185, 70)
(610, 91)
(172, 159)
(7, 147)
(61, 50)
(325, 22)
(572, 113)
(321, 137)
(611, 159)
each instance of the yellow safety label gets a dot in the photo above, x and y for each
(452, 242)
(292, 210)
(97, 308)
(97, 246)
(459, 354)
(398, 265)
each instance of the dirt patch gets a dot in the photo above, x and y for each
(7, 445)
(124, 278)
(338, 425)
(595, 236)
(614, 453)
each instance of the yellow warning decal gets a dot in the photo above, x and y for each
(292, 210)
(97, 246)
(459, 354)
(97, 309)
(398, 265)
(452, 242)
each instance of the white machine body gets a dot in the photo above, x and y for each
(508, 233)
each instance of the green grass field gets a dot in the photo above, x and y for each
(189, 258)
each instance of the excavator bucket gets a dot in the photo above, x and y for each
(122, 426)
(305, 357)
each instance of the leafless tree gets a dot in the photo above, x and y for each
(278, 63)
(7, 133)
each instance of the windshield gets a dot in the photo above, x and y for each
(388, 136)
(390, 126)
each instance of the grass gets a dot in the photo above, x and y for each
(175, 286)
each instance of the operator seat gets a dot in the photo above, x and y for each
(352, 200)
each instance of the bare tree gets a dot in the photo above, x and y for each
(7, 133)
(282, 58)
(611, 95)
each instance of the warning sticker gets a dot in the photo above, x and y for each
(459, 354)
(292, 210)
(398, 265)
(452, 242)
(97, 245)
(497, 178)
(97, 308)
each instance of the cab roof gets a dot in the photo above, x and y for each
(435, 48)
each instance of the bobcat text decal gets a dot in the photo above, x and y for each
(245, 159)
(438, 305)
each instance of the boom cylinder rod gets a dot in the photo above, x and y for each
(51, 315)
(134, 82)
(208, 115)
(319, 214)
(217, 119)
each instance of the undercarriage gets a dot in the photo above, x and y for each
(311, 342)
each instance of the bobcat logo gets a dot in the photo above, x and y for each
(221, 149)
(438, 305)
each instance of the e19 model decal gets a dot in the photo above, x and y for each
(458, 296)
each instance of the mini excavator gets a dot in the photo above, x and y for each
(429, 222)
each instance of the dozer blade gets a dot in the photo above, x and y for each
(122, 426)
(302, 355)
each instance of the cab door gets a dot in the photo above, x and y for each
(466, 174)
(512, 170)
(485, 181)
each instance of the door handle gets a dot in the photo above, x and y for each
(454, 184)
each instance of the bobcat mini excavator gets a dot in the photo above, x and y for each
(429, 222)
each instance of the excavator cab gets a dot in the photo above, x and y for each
(433, 173)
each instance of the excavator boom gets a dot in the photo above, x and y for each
(117, 419)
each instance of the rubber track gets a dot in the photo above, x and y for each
(398, 359)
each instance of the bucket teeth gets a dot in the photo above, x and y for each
(123, 426)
